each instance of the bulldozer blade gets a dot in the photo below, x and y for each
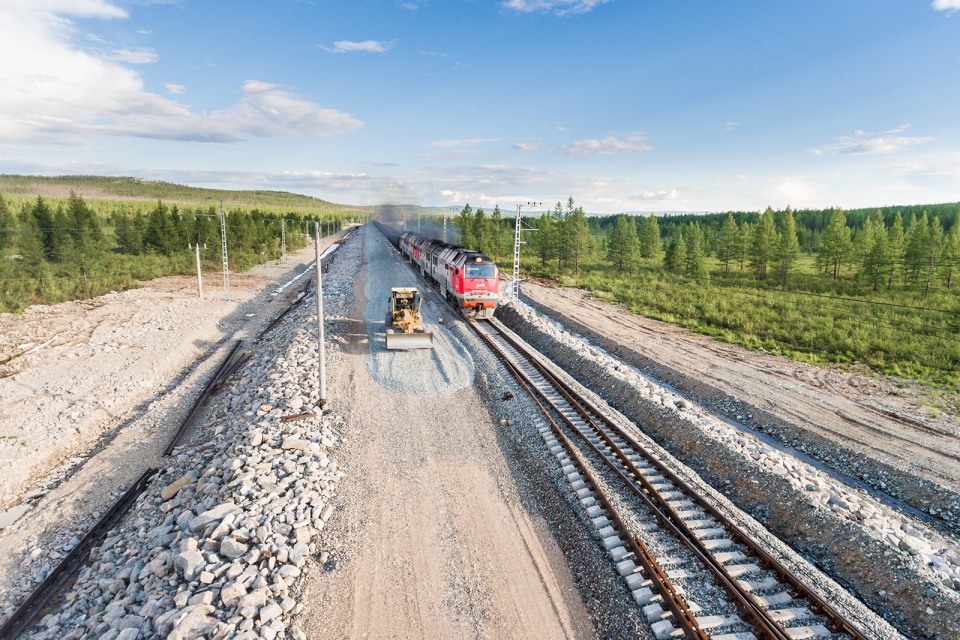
(409, 341)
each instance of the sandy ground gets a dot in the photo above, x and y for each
(85, 415)
(439, 544)
(866, 418)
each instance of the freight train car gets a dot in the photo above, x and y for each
(467, 278)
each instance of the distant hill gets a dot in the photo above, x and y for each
(136, 189)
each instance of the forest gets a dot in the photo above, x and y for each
(58, 249)
(875, 288)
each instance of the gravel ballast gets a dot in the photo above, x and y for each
(844, 531)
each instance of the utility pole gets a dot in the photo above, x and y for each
(515, 285)
(223, 243)
(283, 242)
(321, 352)
(199, 279)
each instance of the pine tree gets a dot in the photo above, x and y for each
(546, 238)
(934, 245)
(950, 256)
(128, 236)
(878, 260)
(744, 242)
(42, 221)
(496, 232)
(464, 223)
(30, 237)
(7, 225)
(762, 241)
(480, 225)
(728, 242)
(696, 262)
(578, 236)
(622, 244)
(676, 258)
(835, 244)
(651, 247)
(561, 240)
(895, 237)
(916, 248)
(787, 249)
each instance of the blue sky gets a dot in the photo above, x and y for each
(627, 105)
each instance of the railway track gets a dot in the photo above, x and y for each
(635, 501)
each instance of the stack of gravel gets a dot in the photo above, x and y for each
(216, 545)
(940, 556)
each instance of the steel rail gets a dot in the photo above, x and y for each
(590, 413)
(208, 388)
(659, 580)
(661, 509)
(25, 614)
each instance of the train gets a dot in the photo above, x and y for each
(468, 279)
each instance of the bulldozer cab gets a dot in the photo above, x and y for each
(405, 298)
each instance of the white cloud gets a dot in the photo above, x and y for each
(559, 7)
(60, 93)
(946, 5)
(731, 126)
(134, 56)
(662, 194)
(528, 146)
(867, 143)
(607, 146)
(174, 88)
(366, 46)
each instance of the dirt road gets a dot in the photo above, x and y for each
(439, 545)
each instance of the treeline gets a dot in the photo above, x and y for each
(56, 251)
(884, 250)
(878, 289)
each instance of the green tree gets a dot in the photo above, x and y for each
(676, 258)
(934, 246)
(744, 246)
(622, 243)
(464, 223)
(651, 247)
(480, 227)
(561, 241)
(127, 233)
(31, 237)
(950, 255)
(546, 239)
(578, 236)
(7, 225)
(762, 242)
(835, 244)
(696, 261)
(728, 242)
(896, 242)
(42, 221)
(787, 249)
(496, 232)
(878, 260)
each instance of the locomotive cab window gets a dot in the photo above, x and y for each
(484, 271)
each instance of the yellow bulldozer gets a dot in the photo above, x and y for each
(405, 328)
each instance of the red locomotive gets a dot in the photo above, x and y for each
(468, 278)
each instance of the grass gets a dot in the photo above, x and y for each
(809, 323)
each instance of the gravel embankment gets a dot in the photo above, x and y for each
(899, 567)
(215, 544)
